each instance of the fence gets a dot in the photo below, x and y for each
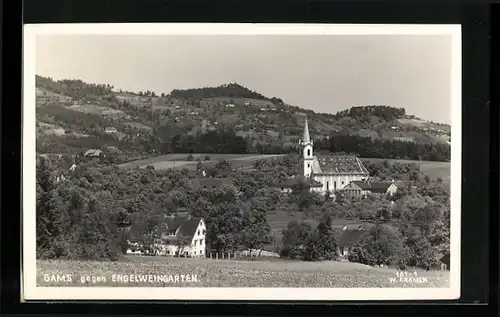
(240, 254)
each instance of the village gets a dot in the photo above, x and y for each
(333, 177)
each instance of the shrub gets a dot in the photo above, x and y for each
(382, 244)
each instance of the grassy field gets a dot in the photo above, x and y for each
(431, 169)
(234, 273)
(163, 162)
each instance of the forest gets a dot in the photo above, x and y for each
(99, 207)
(229, 90)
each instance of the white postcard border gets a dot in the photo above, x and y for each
(28, 258)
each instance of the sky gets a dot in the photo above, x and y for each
(325, 73)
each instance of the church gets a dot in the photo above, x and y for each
(332, 172)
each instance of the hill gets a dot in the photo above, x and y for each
(72, 116)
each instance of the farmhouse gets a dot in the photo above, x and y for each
(364, 188)
(350, 235)
(334, 172)
(183, 235)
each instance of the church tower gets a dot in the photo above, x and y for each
(307, 151)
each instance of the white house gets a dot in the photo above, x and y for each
(110, 130)
(335, 171)
(183, 235)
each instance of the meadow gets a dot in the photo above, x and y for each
(235, 273)
(161, 162)
(168, 161)
(429, 168)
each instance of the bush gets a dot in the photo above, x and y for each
(207, 158)
(382, 244)
(190, 157)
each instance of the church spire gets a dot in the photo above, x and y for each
(305, 136)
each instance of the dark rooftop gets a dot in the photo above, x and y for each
(374, 187)
(341, 164)
(181, 226)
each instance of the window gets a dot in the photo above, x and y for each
(342, 182)
(198, 231)
(327, 186)
(168, 252)
(194, 252)
(308, 165)
(335, 185)
(308, 152)
(201, 242)
(201, 252)
(195, 241)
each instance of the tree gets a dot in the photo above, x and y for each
(49, 217)
(225, 219)
(322, 245)
(295, 239)
(382, 244)
(180, 244)
(146, 231)
(256, 230)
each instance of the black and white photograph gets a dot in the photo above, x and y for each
(241, 161)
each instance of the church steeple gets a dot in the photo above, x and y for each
(307, 151)
(305, 135)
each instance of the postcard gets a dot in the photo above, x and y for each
(241, 162)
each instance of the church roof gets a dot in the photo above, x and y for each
(338, 164)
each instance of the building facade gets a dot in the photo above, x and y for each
(183, 236)
(333, 172)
